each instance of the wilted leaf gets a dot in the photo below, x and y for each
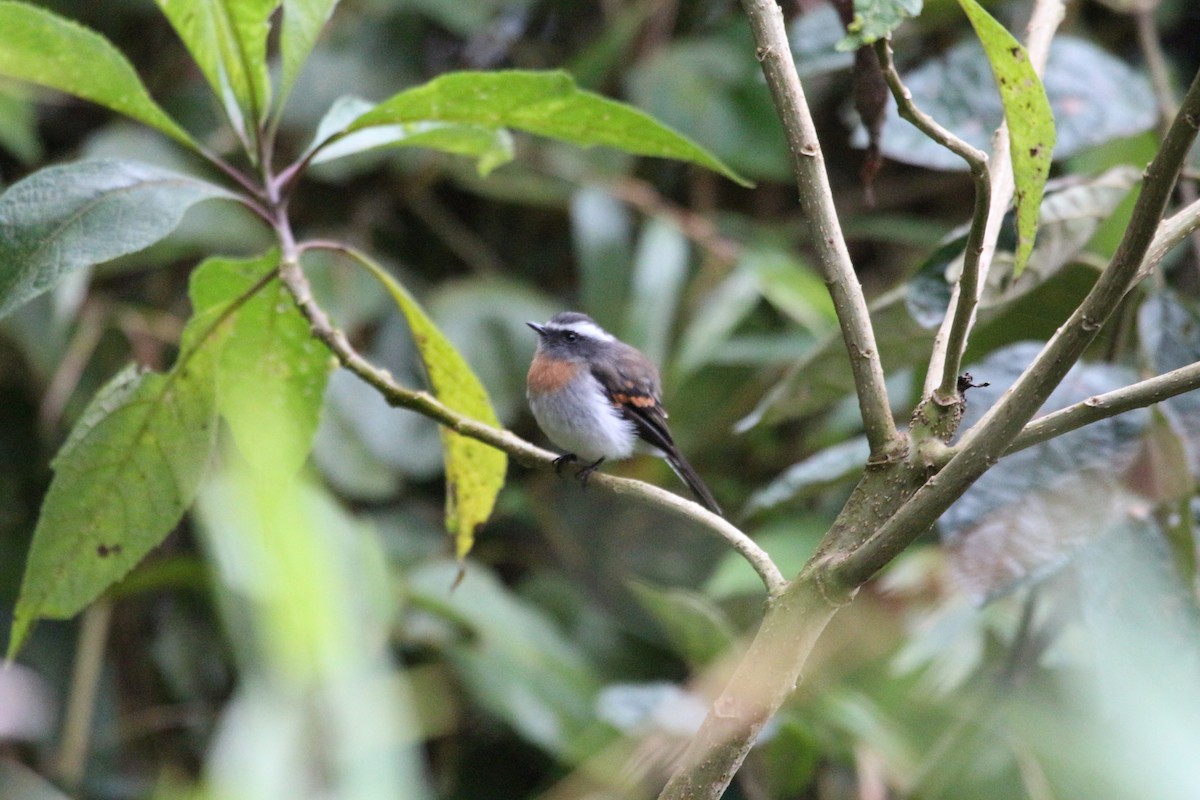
(62, 218)
(228, 40)
(474, 471)
(1033, 510)
(543, 103)
(271, 373)
(129, 470)
(43, 48)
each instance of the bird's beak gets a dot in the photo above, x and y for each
(537, 328)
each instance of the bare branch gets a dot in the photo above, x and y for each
(1110, 404)
(1170, 232)
(522, 451)
(816, 200)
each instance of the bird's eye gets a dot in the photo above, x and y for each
(571, 336)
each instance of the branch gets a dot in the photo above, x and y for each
(991, 437)
(1102, 406)
(1047, 14)
(522, 451)
(1170, 232)
(816, 200)
(967, 297)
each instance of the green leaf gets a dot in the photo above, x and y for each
(228, 40)
(131, 467)
(1030, 121)
(490, 147)
(474, 471)
(543, 103)
(875, 19)
(43, 48)
(18, 126)
(515, 662)
(66, 217)
(302, 24)
(696, 627)
(271, 373)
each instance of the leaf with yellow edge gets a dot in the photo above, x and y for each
(474, 471)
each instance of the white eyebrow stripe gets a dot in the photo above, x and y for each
(590, 329)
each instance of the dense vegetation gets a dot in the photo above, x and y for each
(250, 259)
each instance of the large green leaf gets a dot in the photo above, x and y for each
(474, 471)
(271, 373)
(1030, 121)
(66, 217)
(490, 147)
(302, 24)
(543, 103)
(43, 48)
(129, 470)
(228, 40)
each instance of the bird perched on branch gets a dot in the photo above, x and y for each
(599, 398)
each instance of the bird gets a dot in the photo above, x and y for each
(600, 399)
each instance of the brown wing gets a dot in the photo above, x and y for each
(632, 385)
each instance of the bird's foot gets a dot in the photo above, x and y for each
(587, 471)
(562, 461)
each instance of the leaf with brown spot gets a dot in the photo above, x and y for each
(1030, 122)
(474, 471)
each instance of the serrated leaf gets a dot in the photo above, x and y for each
(302, 24)
(271, 373)
(129, 470)
(474, 471)
(543, 103)
(66, 217)
(44, 48)
(490, 148)
(875, 19)
(228, 41)
(1030, 121)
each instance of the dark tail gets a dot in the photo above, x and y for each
(688, 475)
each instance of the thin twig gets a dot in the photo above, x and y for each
(1170, 233)
(71, 759)
(522, 451)
(816, 200)
(955, 342)
(1043, 23)
(1102, 406)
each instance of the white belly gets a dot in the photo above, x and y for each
(581, 421)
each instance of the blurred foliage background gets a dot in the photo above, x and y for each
(1045, 647)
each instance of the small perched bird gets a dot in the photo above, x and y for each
(598, 398)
